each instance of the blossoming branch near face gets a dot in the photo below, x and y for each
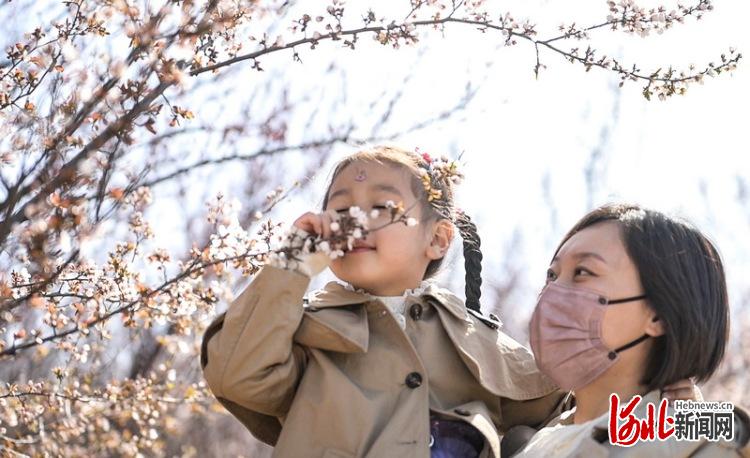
(385, 256)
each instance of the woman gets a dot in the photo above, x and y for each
(635, 300)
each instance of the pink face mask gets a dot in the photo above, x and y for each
(566, 335)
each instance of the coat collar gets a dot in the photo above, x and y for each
(346, 330)
(334, 294)
(499, 363)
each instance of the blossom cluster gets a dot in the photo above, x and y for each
(641, 21)
(126, 416)
(346, 227)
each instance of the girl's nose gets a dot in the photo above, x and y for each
(370, 239)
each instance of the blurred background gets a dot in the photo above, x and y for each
(538, 151)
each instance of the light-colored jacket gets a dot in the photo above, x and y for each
(592, 440)
(340, 378)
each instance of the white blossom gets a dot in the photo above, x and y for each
(324, 246)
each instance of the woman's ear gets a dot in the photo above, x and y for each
(654, 326)
(442, 235)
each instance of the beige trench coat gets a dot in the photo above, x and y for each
(340, 378)
(595, 442)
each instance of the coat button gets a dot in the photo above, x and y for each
(415, 312)
(413, 380)
(462, 412)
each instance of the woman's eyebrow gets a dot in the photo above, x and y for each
(590, 254)
(584, 255)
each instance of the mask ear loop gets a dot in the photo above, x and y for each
(613, 354)
(627, 299)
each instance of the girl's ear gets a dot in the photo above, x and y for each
(654, 326)
(442, 235)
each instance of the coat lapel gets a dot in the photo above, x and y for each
(500, 364)
(334, 320)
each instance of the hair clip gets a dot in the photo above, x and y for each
(440, 170)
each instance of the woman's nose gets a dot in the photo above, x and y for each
(561, 280)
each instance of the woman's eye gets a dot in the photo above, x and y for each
(343, 210)
(581, 271)
(379, 207)
(551, 275)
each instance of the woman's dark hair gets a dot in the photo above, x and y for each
(440, 208)
(683, 278)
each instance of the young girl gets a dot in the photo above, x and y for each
(387, 364)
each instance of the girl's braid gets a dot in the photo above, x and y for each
(472, 259)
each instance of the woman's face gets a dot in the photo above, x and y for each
(596, 259)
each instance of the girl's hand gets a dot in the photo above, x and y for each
(316, 223)
(684, 390)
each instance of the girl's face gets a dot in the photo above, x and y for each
(596, 259)
(394, 258)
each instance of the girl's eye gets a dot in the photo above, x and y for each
(379, 207)
(343, 210)
(551, 275)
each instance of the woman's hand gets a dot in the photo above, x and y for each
(684, 390)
